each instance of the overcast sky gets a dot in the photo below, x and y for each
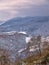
(18, 8)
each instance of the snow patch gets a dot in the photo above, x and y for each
(8, 33)
(22, 32)
(21, 50)
(27, 39)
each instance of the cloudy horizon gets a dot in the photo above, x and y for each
(17, 8)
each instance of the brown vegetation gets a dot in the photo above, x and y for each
(42, 58)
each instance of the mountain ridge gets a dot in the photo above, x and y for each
(30, 25)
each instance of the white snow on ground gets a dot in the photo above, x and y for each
(22, 32)
(45, 39)
(13, 32)
(8, 33)
(34, 48)
(21, 50)
(27, 39)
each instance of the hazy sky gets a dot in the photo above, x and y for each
(17, 8)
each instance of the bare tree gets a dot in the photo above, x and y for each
(39, 43)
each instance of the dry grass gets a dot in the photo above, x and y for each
(31, 60)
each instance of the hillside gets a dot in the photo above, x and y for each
(31, 25)
(26, 40)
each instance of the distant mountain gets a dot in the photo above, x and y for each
(31, 25)
(43, 30)
(1, 22)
